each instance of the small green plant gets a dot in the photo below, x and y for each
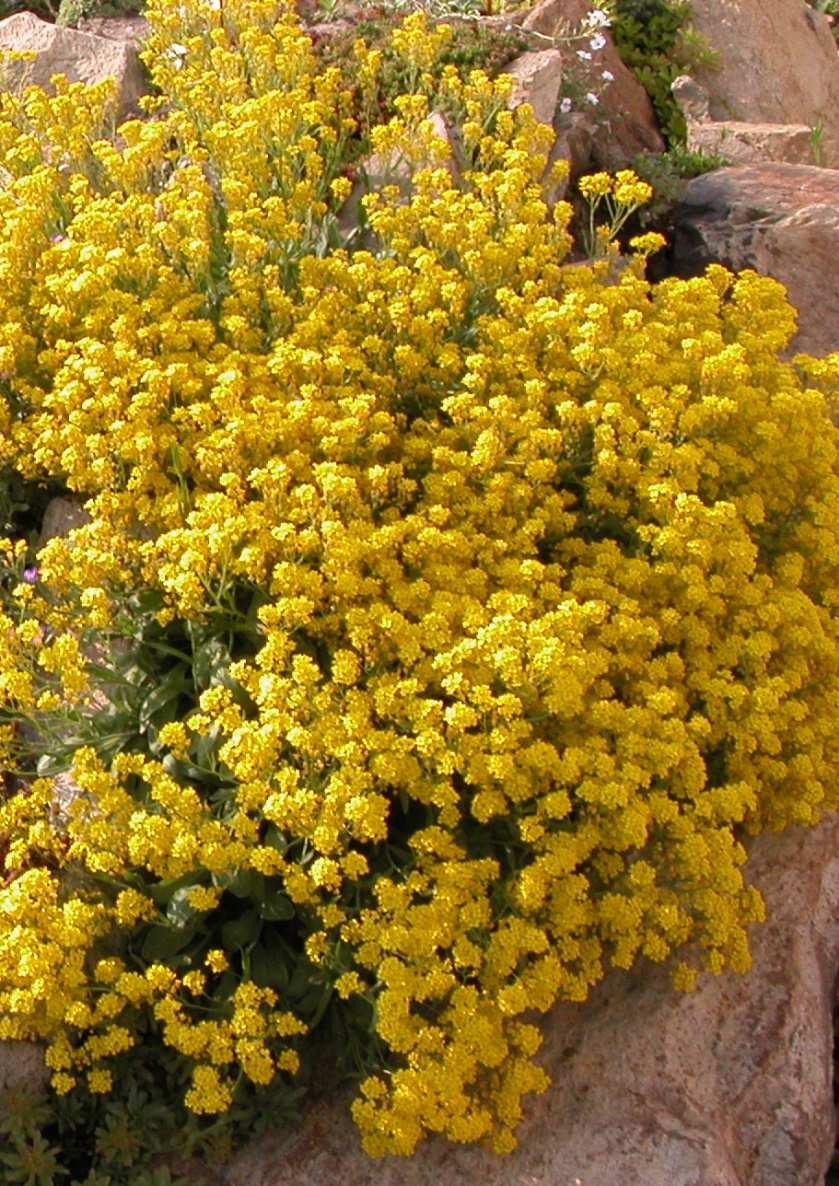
(470, 46)
(816, 137)
(136, 1135)
(42, 8)
(667, 172)
(70, 12)
(658, 43)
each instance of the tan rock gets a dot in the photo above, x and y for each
(692, 99)
(747, 144)
(574, 139)
(778, 64)
(61, 515)
(538, 76)
(116, 28)
(728, 1086)
(741, 143)
(627, 124)
(82, 57)
(22, 1067)
(783, 221)
(392, 168)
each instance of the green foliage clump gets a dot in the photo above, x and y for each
(656, 40)
(667, 173)
(70, 12)
(470, 46)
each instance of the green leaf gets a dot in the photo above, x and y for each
(178, 910)
(269, 962)
(49, 765)
(276, 906)
(210, 664)
(164, 890)
(185, 770)
(276, 839)
(241, 932)
(174, 684)
(244, 883)
(161, 942)
(146, 601)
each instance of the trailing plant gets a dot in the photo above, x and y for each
(657, 41)
(446, 617)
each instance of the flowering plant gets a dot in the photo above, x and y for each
(459, 611)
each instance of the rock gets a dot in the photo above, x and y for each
(574, 140)
(60, 517)
(538, 76)
(747, 144)
(22, 1067)
(727, 1086)
(82, 57)
(326, 30)
(393, 168)
(783, 221)
(116, 28)
(627, 123)
(692, 99)
(741, 143)
(778, 64)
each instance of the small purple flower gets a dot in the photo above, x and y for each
(30, 575)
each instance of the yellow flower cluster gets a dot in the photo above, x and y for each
(548, 570)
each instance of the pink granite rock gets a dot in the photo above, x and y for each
(116, 28)
(740, 142)
(727, 1086)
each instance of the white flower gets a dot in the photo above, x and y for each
(592, 98)
(598, 19)
(607, 76)
(565, 106)
(584, 54)
(177, 53)
(597, 41)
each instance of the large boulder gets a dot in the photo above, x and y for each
(727, 1086)
(777, 64)
(82, 57)
(783, 221)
